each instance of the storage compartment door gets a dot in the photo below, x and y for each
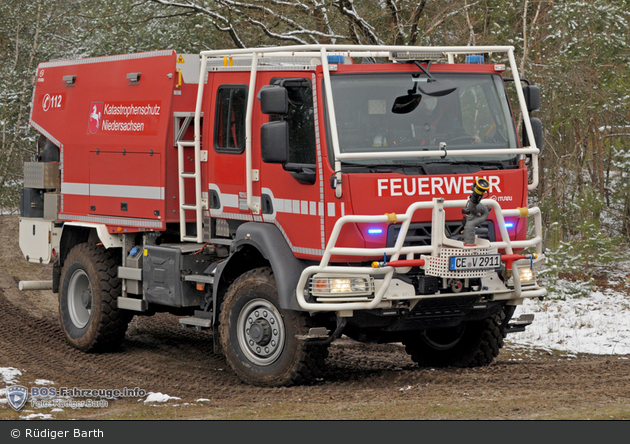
(126, 185)
(37, 239)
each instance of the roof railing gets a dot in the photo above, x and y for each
(319, 53)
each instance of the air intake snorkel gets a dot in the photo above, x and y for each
(474, 212)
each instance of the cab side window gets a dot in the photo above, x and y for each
(301, 119)
(229, 128)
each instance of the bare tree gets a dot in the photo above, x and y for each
(10, 143)
(262, 22)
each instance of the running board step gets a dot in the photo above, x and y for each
(321, 335)
(132, 304)
(315, 333)
(189, 238)
(201, 321)
(518, 325)
(200, 278)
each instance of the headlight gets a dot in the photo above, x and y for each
(526, 274)
(338, 286)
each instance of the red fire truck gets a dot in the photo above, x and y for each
(281, 197)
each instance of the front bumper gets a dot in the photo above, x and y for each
(389, 289)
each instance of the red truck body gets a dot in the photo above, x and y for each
(202, 176)
(129, 156)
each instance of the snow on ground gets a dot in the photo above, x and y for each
(577, 318)
(37, 415)
(9, 374)
(43, 382)
(158, 397)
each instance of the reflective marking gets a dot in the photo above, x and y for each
(311, 251)
(331, 209)
(248, 217)
(229, 200)
(113, 221)
(101, 190)
(283, 206)
(319, 163)
(82, 189)
(42, 130)
(129, 191)
(290, 206)
(343, 209)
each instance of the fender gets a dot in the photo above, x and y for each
(108, 240)
(73, 233)
(268, 241)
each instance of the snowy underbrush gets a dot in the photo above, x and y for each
(587, 309)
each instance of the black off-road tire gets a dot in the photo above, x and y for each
(472, 344)
(88, 310)
(259, 338)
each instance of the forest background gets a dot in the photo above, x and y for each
(576, 51)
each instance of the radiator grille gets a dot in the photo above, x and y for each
(419, 233)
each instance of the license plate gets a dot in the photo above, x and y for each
(476, 262)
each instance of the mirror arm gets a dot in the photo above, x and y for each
(425, 70)
(511, 79)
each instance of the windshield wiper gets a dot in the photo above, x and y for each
(385, 167)
(502, 164)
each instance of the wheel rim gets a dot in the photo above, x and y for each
(79, 299)
(260, 332)
(444, 338)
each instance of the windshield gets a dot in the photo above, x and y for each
(474, 116)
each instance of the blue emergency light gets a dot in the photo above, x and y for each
(335, 59)
(474, 59)
(375, 231)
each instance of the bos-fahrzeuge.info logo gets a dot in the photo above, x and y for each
(52, 397)
(17, 396)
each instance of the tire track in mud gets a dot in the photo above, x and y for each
(156, 355)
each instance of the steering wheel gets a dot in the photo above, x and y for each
(463, 140)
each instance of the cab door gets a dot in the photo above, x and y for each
(292, 194)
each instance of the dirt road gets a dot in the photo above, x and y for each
(361, 381)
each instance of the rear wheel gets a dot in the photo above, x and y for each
(470, 344)
(88, 310)
(259, 338)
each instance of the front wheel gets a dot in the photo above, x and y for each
(88, 309)
(470, 344)
(259, 338)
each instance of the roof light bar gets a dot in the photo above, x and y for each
(414, 55)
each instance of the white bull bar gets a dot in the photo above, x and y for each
(438, 241)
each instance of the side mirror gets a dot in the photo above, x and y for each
(274, 141)
(537, 129)
(532, 97)
(274, 99)
(406, 104)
